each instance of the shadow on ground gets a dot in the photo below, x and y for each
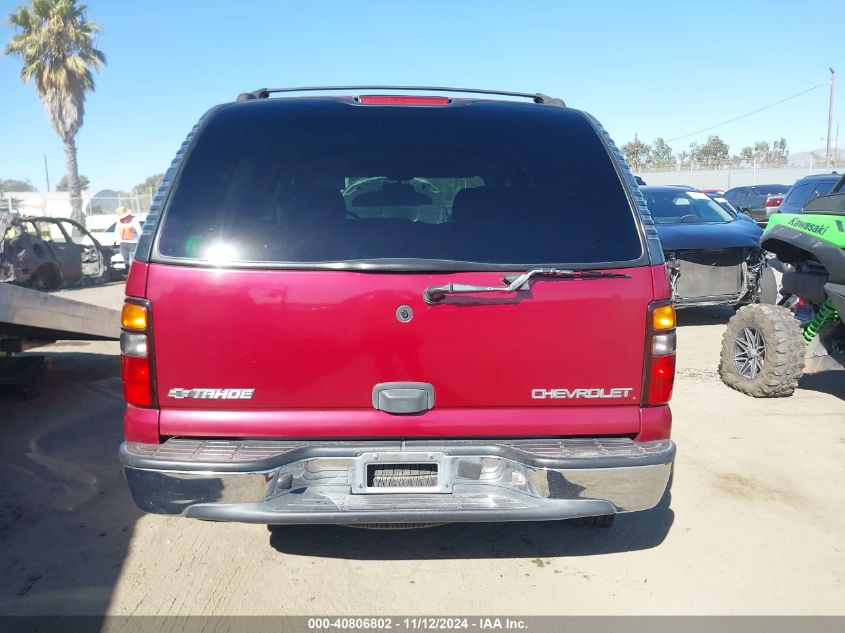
(66, 517)
(630, 532)
(830, 382)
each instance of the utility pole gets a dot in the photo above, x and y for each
(636, 152)
(46, 173)
(830, 115)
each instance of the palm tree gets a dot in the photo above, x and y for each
(56, 46)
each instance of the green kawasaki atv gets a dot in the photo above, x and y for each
(767, 348)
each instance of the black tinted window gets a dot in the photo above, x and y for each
(318, 181)
(675, 207)
(822, 187)
(796, 198)
(802, 193)
(769, 190)
(736, 196)
(755, 199)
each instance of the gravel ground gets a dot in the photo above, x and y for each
(754, 523)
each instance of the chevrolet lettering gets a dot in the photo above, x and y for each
(569, 394)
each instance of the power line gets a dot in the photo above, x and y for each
(771, 105)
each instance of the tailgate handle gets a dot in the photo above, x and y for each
(403, 397)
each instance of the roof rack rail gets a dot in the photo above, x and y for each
(264, 93)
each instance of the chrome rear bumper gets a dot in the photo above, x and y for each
(326, 482)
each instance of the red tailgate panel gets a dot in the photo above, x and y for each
(314, 343)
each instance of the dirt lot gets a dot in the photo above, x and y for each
(754, 523)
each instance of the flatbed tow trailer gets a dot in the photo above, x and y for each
(29, 318)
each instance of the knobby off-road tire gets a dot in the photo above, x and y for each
(768, 287)
(762, 352)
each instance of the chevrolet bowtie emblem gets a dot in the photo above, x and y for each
(211, 394)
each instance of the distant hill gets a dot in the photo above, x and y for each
(803, 159)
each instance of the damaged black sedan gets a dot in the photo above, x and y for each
(713, 256)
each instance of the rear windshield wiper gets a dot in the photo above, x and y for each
(514, 283)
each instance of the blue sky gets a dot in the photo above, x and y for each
(651, 68)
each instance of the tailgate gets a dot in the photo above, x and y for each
(313, 344)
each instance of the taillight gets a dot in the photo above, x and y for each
(137, 381)
(661, 343)
(135, 353)
(773, 202)
(661, 379)
(402, 100)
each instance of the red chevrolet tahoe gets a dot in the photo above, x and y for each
(360, 306)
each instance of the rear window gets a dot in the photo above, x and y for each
(688, 207)
(796, 197)
(806, 191)
(326, 181)
(736, 196)
(822, 187)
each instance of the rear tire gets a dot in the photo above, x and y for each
(397, 475)
(392, 526)
(768, 292)
(602, 521)
(45, 278)
(762, 352)
(102, 272)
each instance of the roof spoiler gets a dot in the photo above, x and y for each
(264, 93)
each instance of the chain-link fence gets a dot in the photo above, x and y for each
(728, 178)
(100, 208)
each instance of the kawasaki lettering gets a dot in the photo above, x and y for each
(809, 227)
